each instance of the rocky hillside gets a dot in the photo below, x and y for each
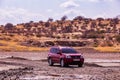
(77, 32)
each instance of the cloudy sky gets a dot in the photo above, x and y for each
(19, 11)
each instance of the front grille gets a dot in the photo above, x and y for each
(75, 57)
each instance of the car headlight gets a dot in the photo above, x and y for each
(68, 56)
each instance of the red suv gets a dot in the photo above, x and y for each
(65, 56)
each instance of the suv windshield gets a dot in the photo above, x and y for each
(68, 50)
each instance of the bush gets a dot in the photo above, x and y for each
(109, 43)
(118, 38)
(9, 26)
(91, 35)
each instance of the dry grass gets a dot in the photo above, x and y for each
(14, 46)
(102, 49)
(108, 49)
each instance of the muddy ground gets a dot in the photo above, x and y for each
(33, 66)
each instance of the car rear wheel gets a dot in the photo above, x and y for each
(50, 62)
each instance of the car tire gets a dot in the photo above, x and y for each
(50, 62)
(62, 63)
(80, 65)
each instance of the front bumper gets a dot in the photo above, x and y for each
(74, 61)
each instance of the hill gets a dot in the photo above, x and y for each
(79, 32)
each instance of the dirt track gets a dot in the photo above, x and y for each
(33, 66)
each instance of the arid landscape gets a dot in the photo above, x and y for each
(29, 28)
(24, 49)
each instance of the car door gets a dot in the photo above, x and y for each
(57, 56)
(53, 54)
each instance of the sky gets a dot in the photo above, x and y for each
(22, 11)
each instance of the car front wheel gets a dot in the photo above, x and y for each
(50, 62)
(80, 65)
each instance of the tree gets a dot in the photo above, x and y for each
(41, 22)
(93, 24)
(50, 20)
(31, 22)
(9, 26)
(27, 25)
(47, 24)
(116, 21)
(100, 19)
(79, 18)
(63, 18)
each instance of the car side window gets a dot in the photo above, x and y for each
(54, 50)
(51, 50)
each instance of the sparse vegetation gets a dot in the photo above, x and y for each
(13, 46)
(78, 32)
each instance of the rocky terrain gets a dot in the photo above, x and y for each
(34, 66)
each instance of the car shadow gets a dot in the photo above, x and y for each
(70, 66)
